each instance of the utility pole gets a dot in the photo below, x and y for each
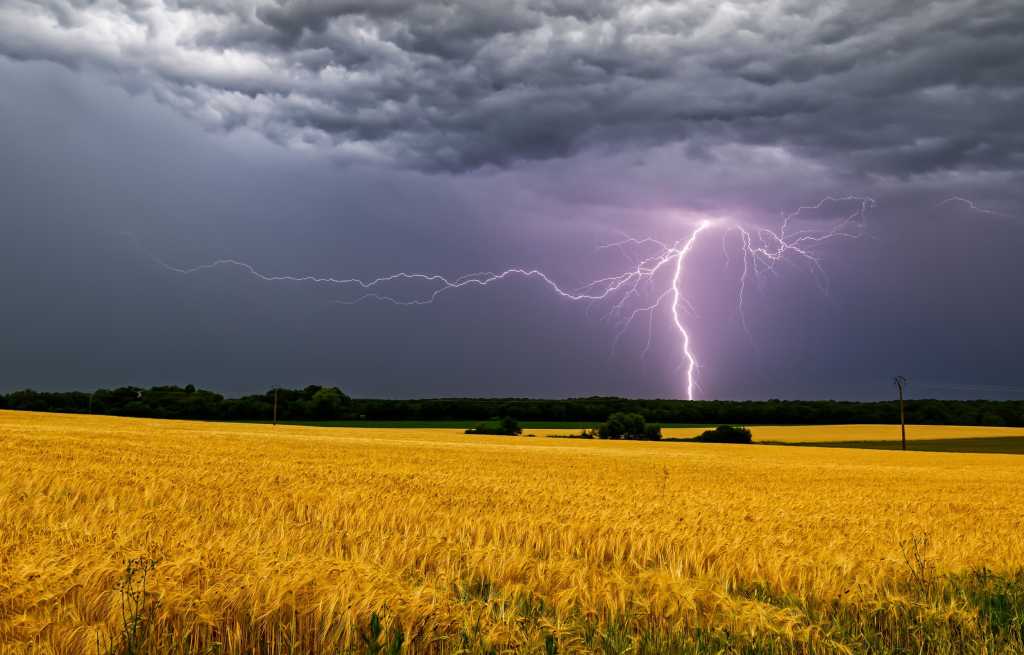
(275, 405)
(900, 382)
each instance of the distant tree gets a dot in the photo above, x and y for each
(248, 407)
(327, 403)
(991, 418)
(726, 434)
(622, 425)
(652, 432)
(298, 405)
(507, 426)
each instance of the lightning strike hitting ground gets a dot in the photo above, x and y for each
(660, 275)
(691, 362)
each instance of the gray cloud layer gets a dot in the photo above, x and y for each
(209, 129)
(873, 88)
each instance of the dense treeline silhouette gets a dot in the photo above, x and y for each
(315, 403)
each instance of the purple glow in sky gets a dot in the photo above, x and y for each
(627, 293)
(551, 198)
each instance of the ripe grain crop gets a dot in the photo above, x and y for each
(821, 433)
(824, 433)
(262, 539)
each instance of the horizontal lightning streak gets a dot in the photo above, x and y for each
(660, 276)
(972, 206)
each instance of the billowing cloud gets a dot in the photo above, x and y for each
(478, 136)
(874, 88)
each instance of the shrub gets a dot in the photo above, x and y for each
(507, 426)
(726, 434)
(652, 431)
(621, 425)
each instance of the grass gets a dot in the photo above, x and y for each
(1004, 445)
(128, 535)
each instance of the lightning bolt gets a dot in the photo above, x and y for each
(762, 249)
(660, 275)
(972, 206)
(680, 257)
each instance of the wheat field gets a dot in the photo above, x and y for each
(127, 535)
(826, 433)
(823, 433)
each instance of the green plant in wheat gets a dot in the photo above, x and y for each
(138, 610)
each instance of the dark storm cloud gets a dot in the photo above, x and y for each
(876, 88)
(209, 129)
(96, 182)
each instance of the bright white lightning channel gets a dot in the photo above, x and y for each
(660, 276)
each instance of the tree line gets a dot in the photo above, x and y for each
(316, 403)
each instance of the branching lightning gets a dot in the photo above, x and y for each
(973, 206)
(651, 281)
(763, 250)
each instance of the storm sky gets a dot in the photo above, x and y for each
(360, 138)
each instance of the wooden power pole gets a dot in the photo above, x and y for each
(900, 383)
(275, 406)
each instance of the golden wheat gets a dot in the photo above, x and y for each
(824, 433)
(821, 433)
(297, 539)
